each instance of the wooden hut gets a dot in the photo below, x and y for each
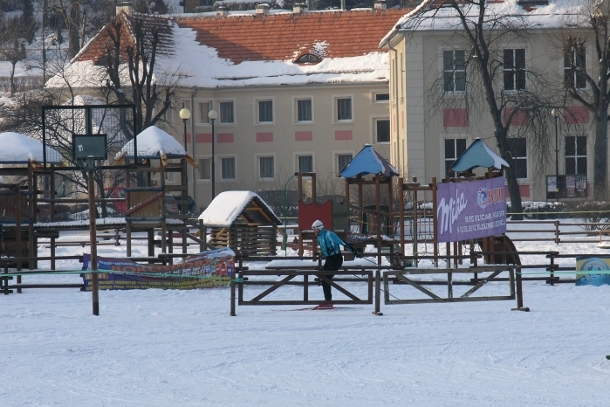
(242, 221)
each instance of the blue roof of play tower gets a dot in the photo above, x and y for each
(368, 162)
(478, 155)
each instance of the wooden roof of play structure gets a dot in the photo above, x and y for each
(243, 207)
(478, 154)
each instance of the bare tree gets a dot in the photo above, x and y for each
(580, 77)
(14, 33)
(484, 35)
(136, 46)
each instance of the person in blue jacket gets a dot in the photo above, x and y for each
(330, 245)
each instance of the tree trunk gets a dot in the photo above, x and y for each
(600, 160)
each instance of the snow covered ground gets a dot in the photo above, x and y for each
(181, 348)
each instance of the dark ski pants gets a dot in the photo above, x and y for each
(332, 263)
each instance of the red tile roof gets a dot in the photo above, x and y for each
(286, 36)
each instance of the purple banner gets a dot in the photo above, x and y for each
(470, 210)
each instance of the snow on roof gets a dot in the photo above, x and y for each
(153, 142)
(556, 14)
(18, 148)
(227, 207)
(193, 48)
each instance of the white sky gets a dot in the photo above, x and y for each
(181, 348)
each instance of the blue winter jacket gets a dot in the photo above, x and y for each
(330, 243)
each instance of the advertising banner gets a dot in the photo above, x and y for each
(470, 210)
(592, 270)
(213, 268)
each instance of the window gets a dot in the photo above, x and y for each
(343, 160)
(574, 64)
(454, 71)
(226, 113)
(167, 116)
(305, 163)
(203, 110)
(381, 97)
(344, 109)
(382, 130)
(518, 151)
(576, 155)
(514, 69)
(266, 167)
(308, 59)
(227, 168)
(265, 111)
(454, 147)
(205, 168)
(304, 110)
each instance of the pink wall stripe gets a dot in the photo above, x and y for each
(455, 117)
(303, 136)
(576, 115)
(203, 138)
(264, 137)
(343, 135)
(225, 138)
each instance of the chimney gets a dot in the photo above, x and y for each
(380, 5)
(299, 8)
(262, 9)
(222, 11)
(124, 7)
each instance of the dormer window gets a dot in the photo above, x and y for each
(308, 59)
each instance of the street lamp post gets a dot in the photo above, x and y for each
(212, 115)
(185, 114)
(556, 114)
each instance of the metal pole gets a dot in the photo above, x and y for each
(213, 164)
(186, 174)
(93, 240)
(556, 162)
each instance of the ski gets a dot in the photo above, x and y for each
(316, 308)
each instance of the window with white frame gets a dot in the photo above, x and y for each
(454, 71)
(204, 169)
(343, 106)
(304, 163)
(227, 168)
(342, 161)
(576, 155)
(226, 112)
(574, 64)
(266, 167)
(514, 69)
(264, 111)
(203, 108)
(381, 97)
(454, 147)
(304, 110)
(382, 130)
(517, 148)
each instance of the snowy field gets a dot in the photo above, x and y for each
(181, 348)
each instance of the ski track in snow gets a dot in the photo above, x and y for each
(181, 348)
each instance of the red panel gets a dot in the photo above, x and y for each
(576, 115)
(519, 119)
(309, 212)
(455, 117)
(225, 138)
(303, 136)
(524, 191)
(343, 135)
(264, 137)
(203, 138)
